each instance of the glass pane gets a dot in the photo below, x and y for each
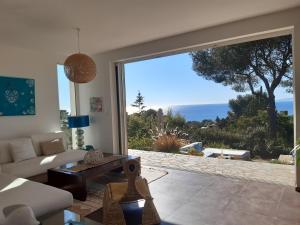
(64, 102)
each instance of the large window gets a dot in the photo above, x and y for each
(64, 93)
(236, 97)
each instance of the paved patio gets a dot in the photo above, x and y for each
(259, 171)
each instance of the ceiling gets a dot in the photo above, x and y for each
(47, 25)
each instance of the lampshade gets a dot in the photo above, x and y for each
(78, 121)
(80, 68)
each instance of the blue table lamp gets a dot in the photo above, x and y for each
(79, 122)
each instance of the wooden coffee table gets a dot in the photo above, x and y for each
(73, 176)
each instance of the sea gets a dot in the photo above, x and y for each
(212, 111)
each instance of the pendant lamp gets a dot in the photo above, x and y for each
(80, 68)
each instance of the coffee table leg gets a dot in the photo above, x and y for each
(81, 191)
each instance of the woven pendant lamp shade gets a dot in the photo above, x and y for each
(80, 68)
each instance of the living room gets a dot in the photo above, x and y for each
(38, 36)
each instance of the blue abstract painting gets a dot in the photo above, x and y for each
(17, 96)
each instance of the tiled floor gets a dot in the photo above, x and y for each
(255, 171)
(190, 198)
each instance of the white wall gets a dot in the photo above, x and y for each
(16, 62)
(99, 133)
(104, 132)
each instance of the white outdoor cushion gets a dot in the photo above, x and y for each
(5, 156)
(43, 199)
(22, 149)
(39, 165)
(38, 138)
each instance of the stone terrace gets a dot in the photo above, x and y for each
(260, 171)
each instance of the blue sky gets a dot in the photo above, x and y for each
(171, 80)
(63, 89)
(165, 81)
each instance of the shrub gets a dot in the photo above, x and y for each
(276, 161)
(140, 143)
(137, 127)
(217, 145)
(214, 135)
(167, 143)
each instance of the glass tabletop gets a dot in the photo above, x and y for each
(72, 218)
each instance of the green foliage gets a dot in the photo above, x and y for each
(137, 126)
(176, 120)
(245, 128)
(245, 66)
(217, 145)
(211, 136)
(276, 161)
(251, 66)
(64, 126)
(142, 143)
(248, 105)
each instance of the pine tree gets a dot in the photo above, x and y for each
(139, 102)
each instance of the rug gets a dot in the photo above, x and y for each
(96, 189)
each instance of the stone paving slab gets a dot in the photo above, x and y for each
(260, 171)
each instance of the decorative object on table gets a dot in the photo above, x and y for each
(79, 122)
(129, 202)
(80, 68)
(79, 167)
(89, 148)
(96, 104)
(17, 96)
(93, 157)
(19, 215)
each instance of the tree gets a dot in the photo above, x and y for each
(150, 116)
(137, 127)
(139, 102)
(255, 66)
(248, 105)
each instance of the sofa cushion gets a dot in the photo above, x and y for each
(22, 149)
(43, 199)
(5, 156)
(38, 138)
(52, 147)
(41, 164)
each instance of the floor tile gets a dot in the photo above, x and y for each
(253, 205)
(243, 218)
(223, 201)
(263, 191)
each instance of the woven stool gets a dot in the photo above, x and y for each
(129, 203)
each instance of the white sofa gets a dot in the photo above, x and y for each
(43, 199)
(15, 189)
(39, 164)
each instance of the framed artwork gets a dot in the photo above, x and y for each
(17, 96)
(96, 104)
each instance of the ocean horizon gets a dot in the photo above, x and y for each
(201, 112)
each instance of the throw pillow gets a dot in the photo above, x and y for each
(52, 147)
(22, 149)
